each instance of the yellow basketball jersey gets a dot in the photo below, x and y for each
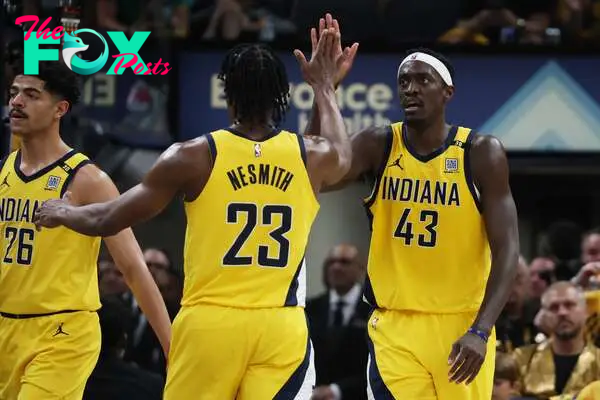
(52, 269)
(248, 230)
(429, 250)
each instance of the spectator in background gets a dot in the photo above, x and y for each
(143, 346)
(590, 246)
(506, 378)
(541, 276)
(562, 243)
(587, 276)
(503, 21)
(112, 283)
(130, 16)
(588, 279)
(515, 326)
(167, 278)
(110, 279)
(231, 19)
(565, 363)
(338, 328)
(113, 378)
(580, 20)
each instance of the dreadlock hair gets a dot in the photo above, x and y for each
(58, 80)
(256, 83)
(437, 55)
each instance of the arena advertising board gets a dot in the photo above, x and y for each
(532, 103)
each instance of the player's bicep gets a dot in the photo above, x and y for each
(368, 149)
(324, 159)
(136, 205)
(498, 206)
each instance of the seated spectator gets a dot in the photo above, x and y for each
(503, 21)
(143, 346)
(113, 378)
(506, 378)
(588, 275)
(338, 328)
(111, 281)
(541, 276)
(130, 16)
(564, 364)
(514, 327)
(580, 20)
(231, 19)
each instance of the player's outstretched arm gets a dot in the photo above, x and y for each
(490, 169)
(333, 154)
(91, 185)
(344, 61)
(177, 166)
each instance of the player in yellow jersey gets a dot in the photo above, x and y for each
(49, 330)
(444, 241)
(250, 202)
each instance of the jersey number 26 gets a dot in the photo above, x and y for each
(19, 245)
(265, 216)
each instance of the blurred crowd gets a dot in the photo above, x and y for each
(475, 22)
(547, 335)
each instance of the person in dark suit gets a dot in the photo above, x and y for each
(338, 328)
(113, 378)
(143, 347)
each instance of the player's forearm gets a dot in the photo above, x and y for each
(314, 123)
(148, 297)
(504, 268)
(333, 127)
(91, 220)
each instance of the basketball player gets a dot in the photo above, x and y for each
(250, 202)
(49, 330)
(444, 241)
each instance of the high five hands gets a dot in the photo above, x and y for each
(343, 59)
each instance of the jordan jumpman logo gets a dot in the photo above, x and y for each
(59, 330)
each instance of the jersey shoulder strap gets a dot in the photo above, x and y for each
(71, 165)
(462, 137)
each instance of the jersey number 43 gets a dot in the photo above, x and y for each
(266, 216)
(428, 238)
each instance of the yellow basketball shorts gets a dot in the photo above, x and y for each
(48, 357)
(245, 354)
(408, 357)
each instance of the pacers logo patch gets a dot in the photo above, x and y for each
(257, 151)
(451, 165)
(53, 182)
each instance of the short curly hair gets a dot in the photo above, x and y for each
(59, 81)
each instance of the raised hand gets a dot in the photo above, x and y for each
(51, 213)
(345, 57)
(321, 70)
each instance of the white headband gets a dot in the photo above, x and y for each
(431, 61)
